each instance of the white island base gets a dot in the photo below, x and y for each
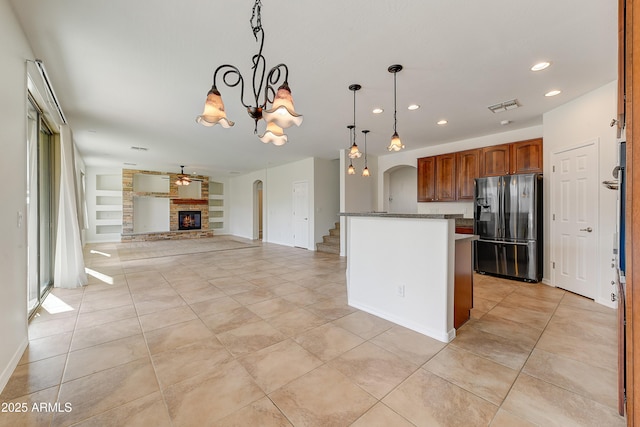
(402, 268)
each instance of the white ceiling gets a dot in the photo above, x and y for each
(136, 73)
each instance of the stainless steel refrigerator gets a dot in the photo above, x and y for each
(508, 221)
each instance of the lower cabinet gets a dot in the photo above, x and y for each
(463, 283)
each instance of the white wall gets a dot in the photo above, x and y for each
(277, 200)
(586, 119)
(327, 196)
(14, 51)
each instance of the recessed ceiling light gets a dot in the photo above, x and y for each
(140, 148)
(413, 107)
(442, 122)
(552, 93)
(505, 122)
(129, 164)
(540, 66)
(377, 110)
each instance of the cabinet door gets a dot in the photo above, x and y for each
(467, 170)
(526, 156)
(446, 177)
(495, 160)
(426, 179)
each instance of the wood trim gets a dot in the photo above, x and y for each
(190, 201)
(632, 85)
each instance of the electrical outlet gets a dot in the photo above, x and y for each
(400, 290)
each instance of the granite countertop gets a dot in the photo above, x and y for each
(402, 215)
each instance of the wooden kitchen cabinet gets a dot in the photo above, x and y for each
(467, 170)
(426, 179)
(526, 156)
(495, 160)
(437, 178)
(446, 178)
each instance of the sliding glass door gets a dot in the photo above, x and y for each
(40, 203)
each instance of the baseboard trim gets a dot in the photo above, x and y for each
(13, 363)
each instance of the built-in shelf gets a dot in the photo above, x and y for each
(108, 200)
(109, 229)
(109, 215)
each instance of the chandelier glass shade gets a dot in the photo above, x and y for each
(281, 110)
(274, 134)
(396, 144)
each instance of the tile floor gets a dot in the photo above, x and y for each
(262, 336)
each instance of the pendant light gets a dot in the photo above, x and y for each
(365, 171)
(354, 152)
(396, 144)
(351, 170)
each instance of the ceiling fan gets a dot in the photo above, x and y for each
(183, 179)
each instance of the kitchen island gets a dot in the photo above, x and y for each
(410, 269)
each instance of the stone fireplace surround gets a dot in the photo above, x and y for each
(176, 204)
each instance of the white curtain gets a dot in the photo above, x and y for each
(69, 262)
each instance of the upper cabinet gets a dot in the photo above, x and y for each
(494, 160)
(446, 177)
(427, 179)
(449, 177)
(467, 170)
(526, 156)
(514, 158)
(437, 178)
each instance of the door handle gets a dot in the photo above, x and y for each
(588, 229)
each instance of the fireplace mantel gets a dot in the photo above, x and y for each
(190, 201)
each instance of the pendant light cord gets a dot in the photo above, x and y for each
(395, 109)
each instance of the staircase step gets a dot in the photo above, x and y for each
(334, 232)
(328, 248)
(335, 240)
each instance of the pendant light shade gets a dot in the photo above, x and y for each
(282, 112)
(214, 113)
(396, 144)
(274, 134)
(351, 170)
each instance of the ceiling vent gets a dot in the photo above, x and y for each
(504, 106)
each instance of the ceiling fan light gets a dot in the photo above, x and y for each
(282, 111)
(396, 144)
(214, 112)
(273, 134)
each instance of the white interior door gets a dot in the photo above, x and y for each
(574, 215)
(301, 214)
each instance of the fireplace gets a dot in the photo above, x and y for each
(189, 220)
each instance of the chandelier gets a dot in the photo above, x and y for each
(281, 115)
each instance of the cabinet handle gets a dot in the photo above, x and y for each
(588, 229)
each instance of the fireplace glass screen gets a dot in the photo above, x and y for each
(189, 220)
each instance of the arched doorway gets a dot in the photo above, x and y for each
(257, 210)
(401, 189)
